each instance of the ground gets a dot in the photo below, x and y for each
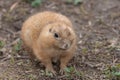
(96, 23)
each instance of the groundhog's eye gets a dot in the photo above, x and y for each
(56, 35)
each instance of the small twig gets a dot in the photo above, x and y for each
(83, 10)
(15, 57)
(12, 32)
(117, 32)
(114, 16)
(90, 78)
(17, 33)
(88, 64)
(91, 65)
(14, 42)
(59, 77)
(14, 5)
(6, 58)
(107, 25)
(2, 57)
(114, 61)
(22, 57)
(10, 44)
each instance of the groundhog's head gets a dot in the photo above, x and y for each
(58, 35)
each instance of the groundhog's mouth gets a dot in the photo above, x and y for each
(62, 48)
(65, 47)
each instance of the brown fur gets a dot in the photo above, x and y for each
(38, 34)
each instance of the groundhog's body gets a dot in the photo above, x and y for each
(40, 34)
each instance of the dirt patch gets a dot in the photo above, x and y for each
(97, 26)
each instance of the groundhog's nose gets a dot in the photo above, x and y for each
(65, 46)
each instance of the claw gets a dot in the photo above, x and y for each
(50, 72)
(62, 71)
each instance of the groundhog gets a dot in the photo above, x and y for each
(50, 36)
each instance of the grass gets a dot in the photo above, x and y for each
(2, 43)
(17, 47)
(32, 77)
(36, 3)
(71, 71)
(113, 72)
(75, 2)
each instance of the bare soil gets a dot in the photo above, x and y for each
(97, 25)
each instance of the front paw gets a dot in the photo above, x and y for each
(67, 70)
(63, 70)
(50, 72)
